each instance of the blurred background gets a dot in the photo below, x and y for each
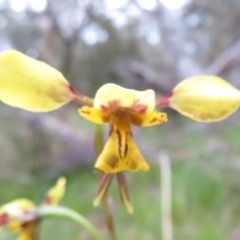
(138, 44)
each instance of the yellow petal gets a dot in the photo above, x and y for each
(30, 84)
(148, 119)
(120, 153)
(55, 194)
(113, 97)
(205, 98)
(95, 115)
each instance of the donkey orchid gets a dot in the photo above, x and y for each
(122, 108)
(35, 86)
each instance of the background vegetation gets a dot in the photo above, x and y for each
(139, 46)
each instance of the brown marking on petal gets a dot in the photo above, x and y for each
(136, 121)
(106, 119)
(112, 162)
(164, 117)
(103, 107)
(62, 96)
(111, 129)
(114, 105)
(153, 120)
(29, 228)
(119, 143)
(139, 107)
(86, 112)
(3, 219)
(48, 200)
(210, 116)
(133, 165)
(126, 147)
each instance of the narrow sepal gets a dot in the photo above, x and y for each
(102, 189)
(124, 192)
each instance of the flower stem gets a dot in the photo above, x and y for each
(109, 219)
(166, 197)
(163, 101)
(80, 98)
(106, 209)
(59, 211)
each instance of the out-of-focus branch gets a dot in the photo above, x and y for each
(54, 126)
(78, 149)
(69, 41)
(138, 75)
(225, 59)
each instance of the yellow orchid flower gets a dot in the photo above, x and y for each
(35, 86)
(122, 108)
(20, 214)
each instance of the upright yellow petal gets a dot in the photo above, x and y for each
(113, 96)
(55, 194)
(205, 98)
(30, 84)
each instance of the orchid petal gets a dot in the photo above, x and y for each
(30, 84)
(205, 98)
(120, 153)
(95, 115)
(148, 119)
(113, 97)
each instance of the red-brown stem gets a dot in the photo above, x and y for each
(164, 101)
(80, 98)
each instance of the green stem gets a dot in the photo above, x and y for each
(59, 211)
